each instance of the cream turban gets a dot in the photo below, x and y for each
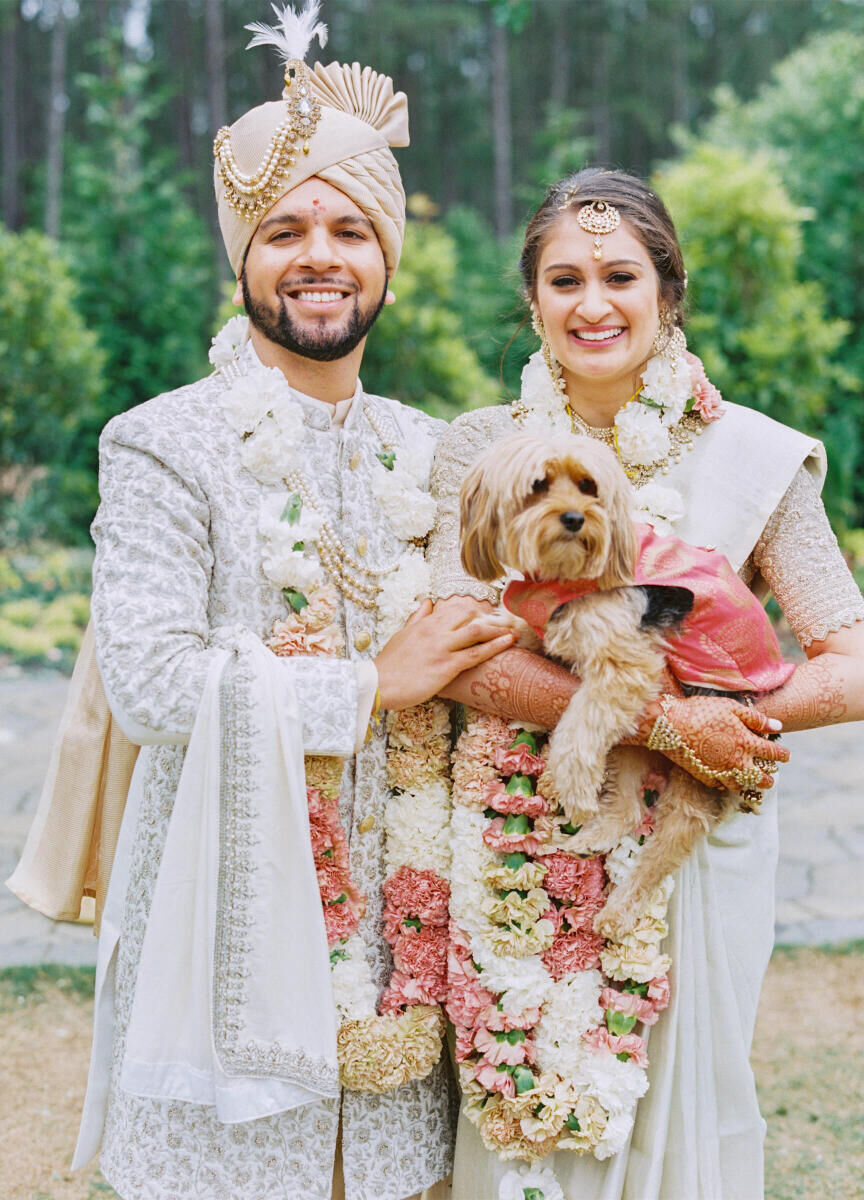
(361, 117)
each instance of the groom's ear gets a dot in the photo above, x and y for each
(389, 297)
(237, 298)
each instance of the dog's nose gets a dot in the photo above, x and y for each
(573, 521)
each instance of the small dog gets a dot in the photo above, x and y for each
(564, 511)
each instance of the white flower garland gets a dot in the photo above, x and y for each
(673, 383)
(376, 1052)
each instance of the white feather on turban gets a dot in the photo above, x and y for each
(361, 118)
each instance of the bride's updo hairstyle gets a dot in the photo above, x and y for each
(643, 210)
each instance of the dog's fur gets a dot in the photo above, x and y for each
(513, 501)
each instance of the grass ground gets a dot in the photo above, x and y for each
(808, 1057)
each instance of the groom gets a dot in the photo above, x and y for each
(311, 209)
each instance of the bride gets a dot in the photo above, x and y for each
(604, 277)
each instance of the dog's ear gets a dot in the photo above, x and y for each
(479, 525)
(618, 498)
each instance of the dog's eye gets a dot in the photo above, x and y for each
(587, 487)
(540, 485)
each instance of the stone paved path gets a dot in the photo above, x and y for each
(820, 886)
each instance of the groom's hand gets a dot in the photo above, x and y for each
(436, 644)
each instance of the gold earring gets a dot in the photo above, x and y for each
(552, 363)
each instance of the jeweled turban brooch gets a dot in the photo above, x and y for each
(252, 195)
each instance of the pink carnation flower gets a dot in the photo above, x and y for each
(497, 1052)
(511, 760)
(496, 796)
(340, 921)
(459, 939)
(509, 843)
(630, 1044)
(494, 1080)
(403, 992)
(646, 825)
(655, 781)
(578, 917)
(707, 400)
(422, 894)
(501, 1022)
(659, 992)
(572, 878)
(571, 953)
(422, 953)
(629, 1004)
(464, 1042)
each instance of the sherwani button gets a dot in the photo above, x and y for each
(362, 640)
(362, 546)
(356, 459)
(366, 824)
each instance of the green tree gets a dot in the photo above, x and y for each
(417, 351)
(765, 336)
(141, 254)
(52, 380)
(810, 119)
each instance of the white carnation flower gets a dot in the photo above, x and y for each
(244, 404)
(520, 983)
(418, 832)
(615, 1134)
(659, 506)
(544, 403)
(354, 993)
(229, 339)
(667, 381)
(268, 455)
(572, 1008)
(615, 1084)
(415, 458)
(642, 438)
(280, 533)
(292, 569)
(540, 1181)
(621, 861)
(409, 511)
(401, 593)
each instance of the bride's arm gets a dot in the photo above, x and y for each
(801, 562)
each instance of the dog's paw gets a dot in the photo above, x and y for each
(593, 838)
(617, 917)
(573, 787)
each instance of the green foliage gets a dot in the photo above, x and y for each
(140, 252)
(810, 119)
(52, 381)
(46, 605)
(417, 352)
(488, 300)
(765, 337)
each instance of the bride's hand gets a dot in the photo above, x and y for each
(720, 735)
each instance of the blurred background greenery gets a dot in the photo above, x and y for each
(748, 115)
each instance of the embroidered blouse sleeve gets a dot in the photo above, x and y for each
(460, 447)
(151, 578)
(800, 560)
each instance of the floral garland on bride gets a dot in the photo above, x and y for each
(544, 1008)
(673, 405)
(378, 1050)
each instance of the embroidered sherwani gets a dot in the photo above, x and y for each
(749, 492)
(177, 573)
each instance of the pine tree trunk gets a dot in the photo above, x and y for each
(58, 102)
(601, 117)
(9, 82)
(217, 106)
(502, 133)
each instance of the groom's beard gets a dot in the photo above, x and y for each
(323, 343)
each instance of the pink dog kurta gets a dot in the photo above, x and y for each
(726, 641)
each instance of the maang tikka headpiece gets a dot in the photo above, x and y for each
(252, 195)
(599, 217)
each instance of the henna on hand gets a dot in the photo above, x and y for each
(814, 696)
(721, 734)
(517, 685)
